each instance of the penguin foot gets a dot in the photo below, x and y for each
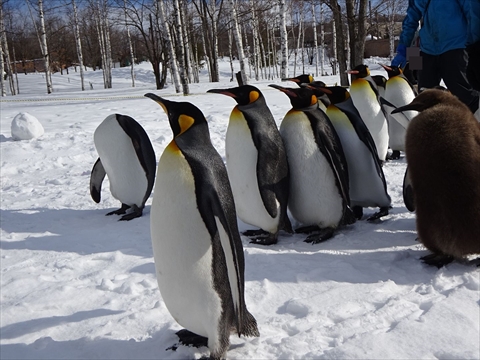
(189, 338)
(357, 211)
(270, 239)
(395, 155)
(137, 212)
(307, 229)
(438, 260)
(120, 211)
(383, 212)
(257, 232)
(323, 235)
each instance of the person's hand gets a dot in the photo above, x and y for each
(401, 58)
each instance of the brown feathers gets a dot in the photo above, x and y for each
(443, 153)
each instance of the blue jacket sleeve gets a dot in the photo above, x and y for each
(410, 23)
(472, 10)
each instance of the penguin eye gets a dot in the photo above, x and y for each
(253, 96)
(313, 100)
(185, 123)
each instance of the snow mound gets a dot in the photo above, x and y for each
(26, 127)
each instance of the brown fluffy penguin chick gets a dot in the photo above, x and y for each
(443, 154)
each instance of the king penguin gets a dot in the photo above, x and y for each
(368, 187)
(365, 97)
(319, 188)
(256, 164)
(442, 148)
(127, 157)
(398, 92)
(197, 249)
(303, 79)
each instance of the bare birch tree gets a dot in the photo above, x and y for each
(2, 67)
(180, 48)
(356, 20)
(340, 41)
(282, 11)
(78, 43)
(169, 43)
(6, 53)
(44, 47)
(130, 46)
(238, 41)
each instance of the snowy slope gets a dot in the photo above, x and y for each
(78, 285)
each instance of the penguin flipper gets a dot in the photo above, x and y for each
(387, 108)
(331, 147)
(143, 148)
(268, 177)
(96, 178)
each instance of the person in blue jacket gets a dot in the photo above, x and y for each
(448, 28)
(473, 45)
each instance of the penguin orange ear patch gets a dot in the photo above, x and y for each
(314, 100)
(185, 122)
(253, 96)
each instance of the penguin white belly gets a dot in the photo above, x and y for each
(242, 156)
(369, 108)
(314, 197)
(128, 182)
(399, 93)
(366, 187)
(182, 249)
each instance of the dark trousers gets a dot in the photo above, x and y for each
(451, 66)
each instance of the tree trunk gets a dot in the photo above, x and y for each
(238, 41)
(230, 52)
(214, 56)
(356, 30)
(78, 43)
(322, 41)
(108, 46)
(6, 54)
(186, 42)
(181, 48)
(340, 42)
(256, 45)
(315, 42)
(283, 39)
(44, 48)
(171, 49)
(2, 67)
(130, 46)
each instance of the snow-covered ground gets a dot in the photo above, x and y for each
(76, 284)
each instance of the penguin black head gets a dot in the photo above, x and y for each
(181, 115)
(380, 80)
(392, 70)
(360, 71)
(336, 94)
(243, 95)
(301, 79)
(299, 97)
(427, 99)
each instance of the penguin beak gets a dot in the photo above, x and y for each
(352, 72)
(158, 100)
(284, 90)
(223, 92)
(404, 108)
(291, 79)
(318, 89)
